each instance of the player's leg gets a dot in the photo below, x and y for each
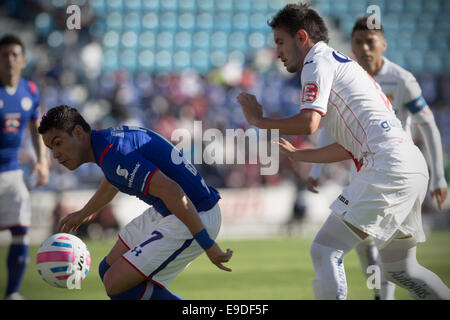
(15, 215)
(333, 241)
(400, 266)
(116, 252)
(17, 261)
(368, 256)
(123, 282)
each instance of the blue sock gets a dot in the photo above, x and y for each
(17, 259)
(146, 291)
(17, 263)
(102, 268)
(163, 294)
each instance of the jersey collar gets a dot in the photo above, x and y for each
(312, 52)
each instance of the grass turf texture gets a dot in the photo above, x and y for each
(270, 269)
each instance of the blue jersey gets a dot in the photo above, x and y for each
(16, 110)
(130, 156)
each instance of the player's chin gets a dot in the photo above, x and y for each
(71, 165)
(294, 69)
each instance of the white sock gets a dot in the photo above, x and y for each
(368, 256)
(330, 245)
(401, 267)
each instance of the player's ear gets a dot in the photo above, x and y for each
(384, 42)
(77, 131)
(302, 36)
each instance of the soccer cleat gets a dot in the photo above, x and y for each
(14, 296)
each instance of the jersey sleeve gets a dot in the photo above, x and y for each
(316, 78)
(36, 100)
(412, 95)
(131, 170)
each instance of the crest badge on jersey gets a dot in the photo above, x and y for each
(26, 103)
(310, 92)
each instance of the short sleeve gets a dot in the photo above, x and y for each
(36, 100)
(131, 170)
(316, 78)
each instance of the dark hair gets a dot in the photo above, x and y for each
(63, 118)
(8, 39)
(294, 17)
(361, 25)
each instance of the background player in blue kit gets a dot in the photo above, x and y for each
(157, 245)
(19, 107)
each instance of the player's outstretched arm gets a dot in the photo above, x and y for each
(313, 180)
(41, 167)
(104, 195)
(304, 123)
(431, 137)
(181, 206)
(328, 154)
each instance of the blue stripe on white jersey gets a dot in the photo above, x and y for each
(129, 156)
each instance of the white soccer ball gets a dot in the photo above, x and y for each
(63, 261)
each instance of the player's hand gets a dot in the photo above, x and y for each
(440, 195)
(287, 148)
(72, 221)
(311, 184)
(250, 106)
(41, 169)
(217, 256)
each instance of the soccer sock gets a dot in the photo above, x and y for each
(368, 256)
(401, 267)
(102, 268)
(17, 259)
(330, 245)
(146, 291)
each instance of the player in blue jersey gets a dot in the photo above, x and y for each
(19, 108)
(157, 245)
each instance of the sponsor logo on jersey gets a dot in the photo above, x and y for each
(389, 124)
(12, 122)
(133, 174)
(122, 172)
(310, 92)
(340, 57)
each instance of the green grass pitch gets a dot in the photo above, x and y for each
(272, 269)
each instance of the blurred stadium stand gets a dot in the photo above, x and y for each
(162, 64)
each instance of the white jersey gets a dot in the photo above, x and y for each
(355, 111)
(402, 90)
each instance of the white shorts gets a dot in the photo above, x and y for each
(382, 204)
(161, 247)
(15, 207)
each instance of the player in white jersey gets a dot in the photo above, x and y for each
(405, 95)
(384, 199)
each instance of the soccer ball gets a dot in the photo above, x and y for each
(63, 261)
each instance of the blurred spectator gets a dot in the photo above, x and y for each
(67, 66)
